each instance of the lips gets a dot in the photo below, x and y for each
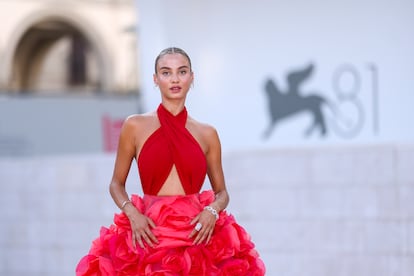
(175, 89)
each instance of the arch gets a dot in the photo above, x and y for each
(69, 18)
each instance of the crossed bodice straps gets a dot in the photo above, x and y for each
(171, 144)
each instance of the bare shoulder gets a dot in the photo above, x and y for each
(138, 125)
(205, 133)
(202, 127)
(138, 121)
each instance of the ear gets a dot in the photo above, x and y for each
(154, 76)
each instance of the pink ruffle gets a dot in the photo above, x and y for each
(229, 252)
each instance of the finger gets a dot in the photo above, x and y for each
(141, 244)
(151, 235)
(133, 242)
(197, 237)
(147, 239)
(196, 229)
(192, 233)
(151, 223)
(201, 237)
(210, 233)
(195, 219)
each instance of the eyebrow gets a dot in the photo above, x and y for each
(181, 67)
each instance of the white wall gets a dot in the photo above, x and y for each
(236, 45)
(327, 211)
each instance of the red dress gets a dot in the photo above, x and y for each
(230, 250)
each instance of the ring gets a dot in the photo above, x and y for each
(198, 226)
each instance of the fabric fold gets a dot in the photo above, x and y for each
(229, 252)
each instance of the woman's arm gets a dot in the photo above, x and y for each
(125, 155)
(206, 218)
(215, 172)
(140, 224)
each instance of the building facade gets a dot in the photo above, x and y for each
(68, 75)
(49, 46)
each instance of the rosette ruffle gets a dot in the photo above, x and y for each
(229, 252)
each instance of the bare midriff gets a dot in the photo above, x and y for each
(172, 185)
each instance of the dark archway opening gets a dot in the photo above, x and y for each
(55, 57)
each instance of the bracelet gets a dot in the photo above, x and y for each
(212, 210)
(125, 203)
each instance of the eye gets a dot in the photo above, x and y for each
(183, 72)
(165, 73)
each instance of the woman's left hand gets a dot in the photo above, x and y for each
(207, 221)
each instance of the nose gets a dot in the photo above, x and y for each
(174, 78)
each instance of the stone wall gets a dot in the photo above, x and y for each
(311, 212)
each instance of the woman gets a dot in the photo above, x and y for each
(173, 229)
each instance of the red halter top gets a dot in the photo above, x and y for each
(171, 144)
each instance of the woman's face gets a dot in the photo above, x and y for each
(174, 76)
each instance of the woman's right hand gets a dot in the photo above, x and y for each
(141, 227)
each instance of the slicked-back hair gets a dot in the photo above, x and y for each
(172, 50)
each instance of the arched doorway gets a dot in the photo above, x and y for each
(53, 56)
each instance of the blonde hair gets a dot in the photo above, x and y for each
(172, 50)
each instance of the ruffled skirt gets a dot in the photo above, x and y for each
(229, 252)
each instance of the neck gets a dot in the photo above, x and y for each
(173, 107)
